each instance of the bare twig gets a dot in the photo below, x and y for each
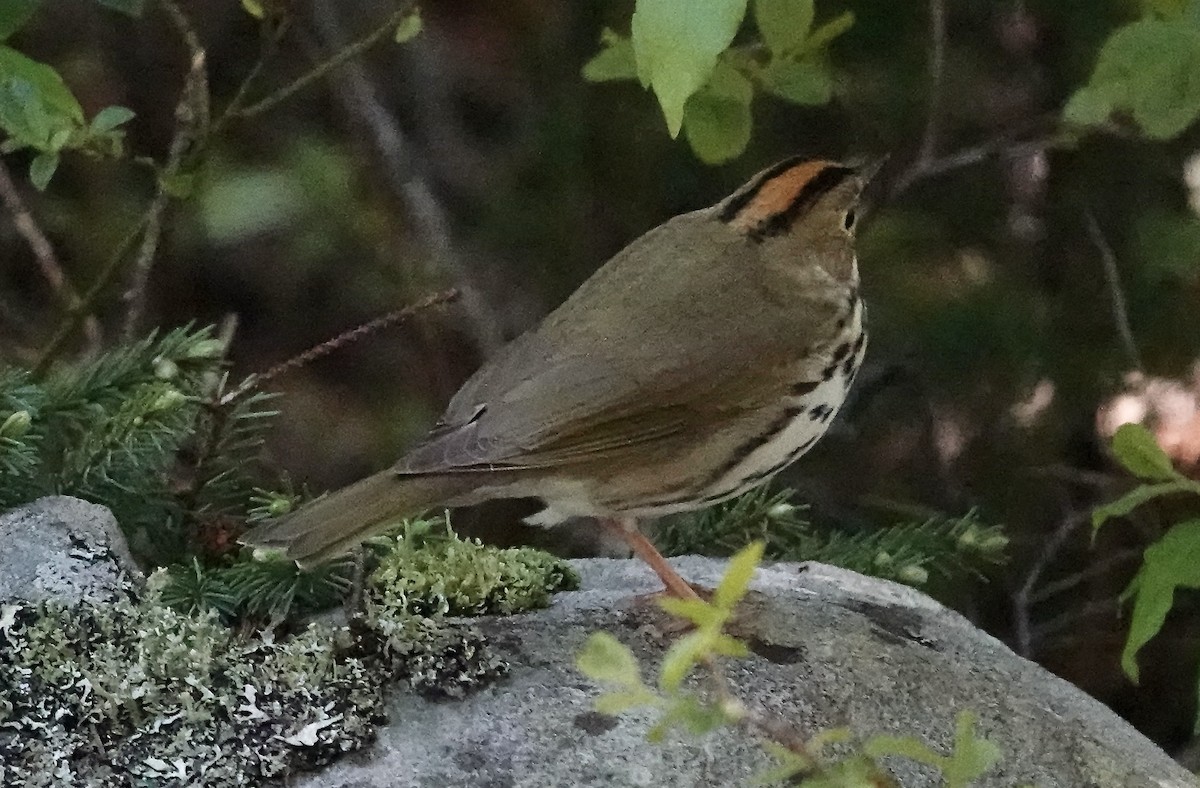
(1112, 278)
(1102, 607)
(359, 97)
(191, 128)
(1023, 598)
(1004, 146)
(43, 253)
(937, 74)
(1093, 570)
(75, 316)
(318, 72)
(254, 382)
(271, 41)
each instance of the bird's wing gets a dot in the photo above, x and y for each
(609, 373)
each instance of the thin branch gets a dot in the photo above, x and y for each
(1112, 278)
(318, 72)
(270, 45)
(43, 253)
(1093, 570)
(1102, 607)
(1023, 598)
(255, 382)
(1001, 146)
(75, 316)
(357, 94)
(937, 77)
(191, 128)
(192, 108)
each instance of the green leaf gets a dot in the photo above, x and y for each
(604, 658)
(727, 646)
(48, 86)
(737, 577)
(800, 82)
(1149, 70)
(14, 14)
(823, 35)
(972, 757)
(784, 24)
(41, 170)
(1138, 496)
(409, 27)
(617, 702)
(36, 108)
(676, 47)
(110, 118)
(179, 185)
(683, 655)
(1136, 448)
(905, 746)
(254, 8)
(790, 764)
(697, 611)
(1171, 562)
(615, 60)
(717, 117)
(132, 8)
(1167, 8)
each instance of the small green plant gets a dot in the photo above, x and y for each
(704, 84)
(909, 552)
(802, 761)
(1173, 561)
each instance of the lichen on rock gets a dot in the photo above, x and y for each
(137, 693)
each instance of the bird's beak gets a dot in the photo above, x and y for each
(867, 168)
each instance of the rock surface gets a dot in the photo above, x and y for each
(832, 649)
(64, 549)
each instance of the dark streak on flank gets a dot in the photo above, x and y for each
(842, 351)
(821, 183)
(743, 198)
(821, 413)
(804, 387)
(747, 448)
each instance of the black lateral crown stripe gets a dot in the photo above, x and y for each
(823, 182)
(741, 199)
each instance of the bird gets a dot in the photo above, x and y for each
(693, 366)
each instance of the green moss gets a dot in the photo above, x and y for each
(429, 573)
(142, 694)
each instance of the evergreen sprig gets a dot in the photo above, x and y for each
(907, 552)
(140, 429)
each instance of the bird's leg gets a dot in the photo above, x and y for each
(626, 528)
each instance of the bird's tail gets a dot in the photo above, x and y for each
(332, 525)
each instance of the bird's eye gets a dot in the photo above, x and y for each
(849, 220)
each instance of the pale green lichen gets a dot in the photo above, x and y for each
(140, 694)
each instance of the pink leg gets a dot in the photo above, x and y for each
(627, 529)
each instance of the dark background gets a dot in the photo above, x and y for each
(477, 157)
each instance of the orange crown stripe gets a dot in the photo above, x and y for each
(775, 195)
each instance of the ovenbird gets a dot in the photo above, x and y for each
(694, 365)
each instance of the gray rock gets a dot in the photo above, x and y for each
(832, 649)
(64, 549)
